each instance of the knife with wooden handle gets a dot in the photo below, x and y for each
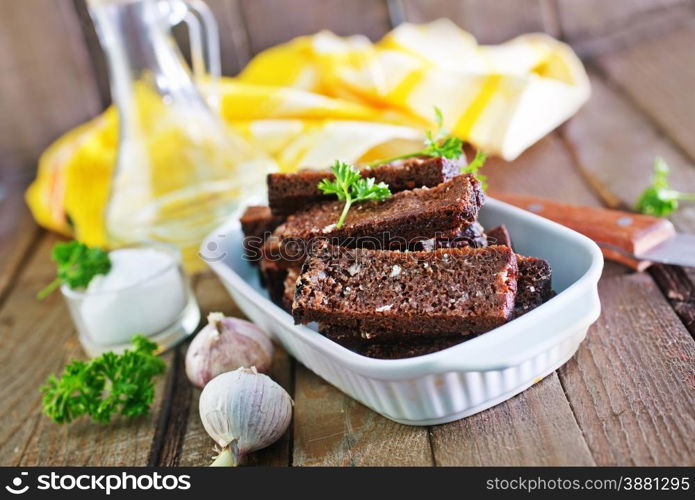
(632, 239)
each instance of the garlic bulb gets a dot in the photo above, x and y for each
(244, 411)
(226, 344)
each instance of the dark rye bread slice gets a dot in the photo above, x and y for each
(257, 223)
(398, 222)
(349, 338)
(289, 193)
(257, 220)
(499, 236)
(400, 351)
(290, 284)
(446, 291)
(273, 279)
(470, 235)
(389, 350)
(358, 336)
(534, 284)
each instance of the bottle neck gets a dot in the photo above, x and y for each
(135, 36)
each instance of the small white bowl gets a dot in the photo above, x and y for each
(458, 381)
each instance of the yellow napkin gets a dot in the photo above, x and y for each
(323, 97)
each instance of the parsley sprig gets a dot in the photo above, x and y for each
(77, 265)
(659, 199)
(474, 166)
(439, 144)
(349, 186)
(105, 385)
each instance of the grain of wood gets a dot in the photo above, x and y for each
(544, 170)
(489, 22)
(40, 335)
(173, 416)
(234, 43)
(678, 286)
(591, 19)
(197, 447)
(615, 144)
(269, 23)
(632, 30)
(332, 429)
(676, 281)
(97, 58)
(535, 428)
(659, 74)
(631, 385)
(613, 269)
(17, 233)
(46, 81)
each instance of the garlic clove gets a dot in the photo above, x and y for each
(228, 456)
(244, 411)
(226, 344)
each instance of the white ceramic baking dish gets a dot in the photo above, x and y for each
(459, 381)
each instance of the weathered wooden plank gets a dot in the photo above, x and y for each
(269, 23)
(630, 31)
(545, 170)
(96, 54)
(659, 74)
(332, 429)
(614, 269)
(535, 428)
(173, 415)
(621, 386)
(594, 19)
(678, 286)
(196, 447)
(40, 335)
(615, 146)
(489, 22)
(631, 385)
(45, 87)
(17, 233)
(234, 43)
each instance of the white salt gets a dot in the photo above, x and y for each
(143, 293)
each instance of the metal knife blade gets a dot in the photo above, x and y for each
(678, 250)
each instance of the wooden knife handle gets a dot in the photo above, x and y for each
(615, 231)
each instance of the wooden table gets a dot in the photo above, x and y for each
(626, 398)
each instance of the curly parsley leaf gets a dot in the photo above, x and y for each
(659, 199)
(437, 144)
(349, 186)
(106, 385)
(474, 166)
(78, 264)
